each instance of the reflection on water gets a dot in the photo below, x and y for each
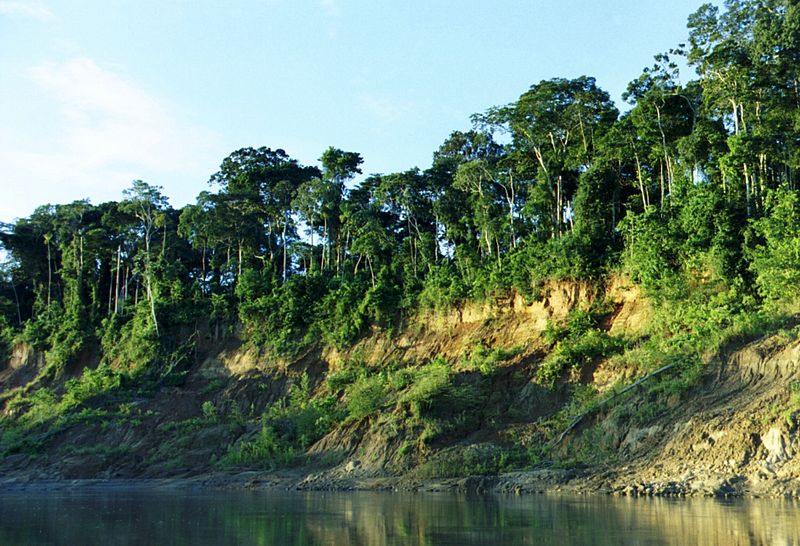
(129, 516)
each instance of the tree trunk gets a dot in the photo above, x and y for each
(283, 238)
(311, 257)
(16, 299)
(239, 260)
(641, 181)
(49, 273)
(110, 288)
(151, 297)
(125, 293)
(116, 281)
(371, 271)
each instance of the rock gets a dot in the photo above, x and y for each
(636, 437)
(775, 445)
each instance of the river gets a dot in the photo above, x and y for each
(111, 516)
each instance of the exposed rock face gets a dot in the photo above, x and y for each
(775, 445)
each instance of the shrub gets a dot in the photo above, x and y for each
(364, 397)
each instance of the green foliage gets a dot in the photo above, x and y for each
(576, 352)
(433, 396)
(7, 336)
(347, 373)
(130, 345)
(652, 252)
(278, 315)
(578, 343)
(365, 397)
(288, 428)
(691, 193)
(667, 191)
(266, 450)
(342, 311)
(209, 411)
(430, 384)
(213, 386)
(486, 360)
(40, 406)
(442, 288)
(479, 460)
(90, 384)
(775, 257)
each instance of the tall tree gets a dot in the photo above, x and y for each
(553, 127)
(338, 167)
(148, 205)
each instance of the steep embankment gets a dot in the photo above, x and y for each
(734, 433)
(450, 395)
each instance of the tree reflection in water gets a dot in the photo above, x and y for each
(134, 516)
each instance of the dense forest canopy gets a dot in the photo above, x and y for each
(692, 190)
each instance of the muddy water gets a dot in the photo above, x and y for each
(135, 516)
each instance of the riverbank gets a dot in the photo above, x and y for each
(535, 482)
(479, 416)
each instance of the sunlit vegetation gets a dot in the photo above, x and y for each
(691, 192)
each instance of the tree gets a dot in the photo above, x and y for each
(661, 115)
(148, 205)
(257, 188)
(553, 127)
(338, 167)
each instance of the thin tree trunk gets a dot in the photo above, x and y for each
(202, 269)
(239, 259)
(641, 181)
(747, 189)
(558, 206)
(116, 281)
(110, 288)
(311, 257)
(125, 293)
(666, 154)
(150, 295)
(49, 273)
(325, 244)
(16, 299)
(283, 238)
(371, 271)
(436, 240)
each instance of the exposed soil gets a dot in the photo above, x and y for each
(729, 435)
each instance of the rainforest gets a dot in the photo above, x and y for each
(571, 295)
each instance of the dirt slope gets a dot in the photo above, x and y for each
(732, 433)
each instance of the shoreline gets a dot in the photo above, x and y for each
(521, 483)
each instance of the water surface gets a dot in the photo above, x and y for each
(139, 516)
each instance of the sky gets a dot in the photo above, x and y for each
(95, 94)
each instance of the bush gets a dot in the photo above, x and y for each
(365, 397)
(429, 383)
(267, 450)
(475, 460)
(6, 339)
(486, 360)
(775, 256)
(288, 428)
(577, 343)
(90, 384)
(575, 352)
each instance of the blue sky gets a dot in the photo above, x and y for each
(94, 94)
